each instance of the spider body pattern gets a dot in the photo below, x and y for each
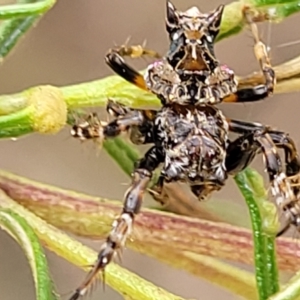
(190, 133)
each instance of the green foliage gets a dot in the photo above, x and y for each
(18, 229)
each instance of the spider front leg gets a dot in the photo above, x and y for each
(259, 92)
(115, 59)
(139, 122)
(122, 226)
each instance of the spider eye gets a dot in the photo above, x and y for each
(175, 36)
(209, 38)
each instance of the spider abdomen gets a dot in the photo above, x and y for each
(194, 139)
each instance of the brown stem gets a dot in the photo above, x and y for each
(92, 217)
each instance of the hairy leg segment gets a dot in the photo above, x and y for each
(138, 121)
(121, 228)
(284, 178)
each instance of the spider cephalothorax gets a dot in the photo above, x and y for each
(192, 36)
(189, 133)
(190, 72)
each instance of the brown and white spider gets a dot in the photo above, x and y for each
(190, 133)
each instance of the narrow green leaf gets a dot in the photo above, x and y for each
(124, 154)
(25, 9)
(20, 17)
(11, 31)
(277, 10)
(270, 227)
(235, 280)
(19, 229)
(16, 124)
(118, 278)
(251, 185)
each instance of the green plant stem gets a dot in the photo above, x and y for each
(270, 227)
(19, 229)
(277, 10)
(290, 291)
(97, 92)
(11, 31)
(239, 282)
(251, 185)
(123, 153)
(21, 17)
(45, 112)
(9, 105)
(16, 124)
(258, 237)
(24, 10)
(271, 266)
(118, 278)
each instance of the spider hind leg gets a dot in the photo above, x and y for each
(284, 178)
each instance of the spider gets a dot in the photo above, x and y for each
(190, 133)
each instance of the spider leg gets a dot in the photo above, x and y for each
(259, 92)
(117, 109)
(138, 122)
(284, 183)
(122, 226)
(291, 206)
(115, 59)
(242, 153)
(282, 140)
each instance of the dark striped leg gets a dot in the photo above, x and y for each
(284, 181)
(291, 207)
(122, 226)
(115, 59)
(241, 151)
(140, 123)
(139, 133)
(261, 91)
(91, 128)
(116, 109)
(94, 129)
